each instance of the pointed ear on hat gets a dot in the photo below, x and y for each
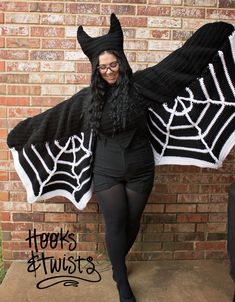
(82, 35)
(114, 24)
(113, 40)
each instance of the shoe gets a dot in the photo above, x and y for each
(130, 298)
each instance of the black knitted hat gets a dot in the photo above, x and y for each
(113, 40)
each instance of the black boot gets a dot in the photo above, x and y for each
(123, 286)
(129, 298)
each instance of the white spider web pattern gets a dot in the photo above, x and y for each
(180, 137)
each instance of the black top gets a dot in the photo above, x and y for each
(111, 147)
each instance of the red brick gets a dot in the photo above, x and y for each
(46, 101)
(6, 236)
(192, 217)
(87, 228)
(83, 68)
(181, 35)
(188, 12)
(220, 245)
(154, 208)
(47, 7)
(47, 32)
(158, 237)
(21, 255)
(22, 43)
(136, 45)
(210, 208)
(118, 9)
(60, 44)
(153, 11)
(4, 196)
(151, 228)
(162, 198)
(14, 6)
(18, 245)
(18, 196)
(223, 198)
(90, 20)
(174, 246)
(170, 2)
(133, 22)
(23, 90)
(226, 4)
(28, 217)
(197, 236)
(4, 175)
(220, 14)
(3, 112)
(83, 8)
(130, 1)
(14, 78)
(16, 18)
(160, 34)
(14, 30)
(218, 217)
(46, 55)
(14, 54)
(211, 188)
(1, 18)
(2, 66)
(3, 134)
(7, 254)
(177, 208)
(5, 216)
(2, 42)
(177, 188)
(161, 188)
(3, 144)
(15, 101)
(3, 124)
(188, 255)
(60, 217)
(159, 218)
(216, 227)
(4, 155)
(193, 198)
(86, 246)
(78, 79)
(23, 66)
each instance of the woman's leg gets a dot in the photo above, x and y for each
(114, 206)
(136, 204)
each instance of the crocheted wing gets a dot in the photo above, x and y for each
(52, 153)
(194, 124)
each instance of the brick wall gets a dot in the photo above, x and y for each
(41, 64)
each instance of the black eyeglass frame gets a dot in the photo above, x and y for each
(112, 66)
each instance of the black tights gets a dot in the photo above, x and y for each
(122, 209)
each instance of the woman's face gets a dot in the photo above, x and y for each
(108, 67)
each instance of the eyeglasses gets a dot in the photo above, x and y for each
(112, 66)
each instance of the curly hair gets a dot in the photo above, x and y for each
(122, 107)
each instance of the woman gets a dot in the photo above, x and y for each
(101, 133)
(123, 162)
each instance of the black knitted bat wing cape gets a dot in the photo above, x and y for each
(191, 121)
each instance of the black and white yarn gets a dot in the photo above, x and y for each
(53, 153)
(197, 127)
(58, 168)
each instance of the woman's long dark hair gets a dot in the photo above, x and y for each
(121, 105)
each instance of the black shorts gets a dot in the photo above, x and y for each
(132, 166)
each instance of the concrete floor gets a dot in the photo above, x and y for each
(158, 281)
